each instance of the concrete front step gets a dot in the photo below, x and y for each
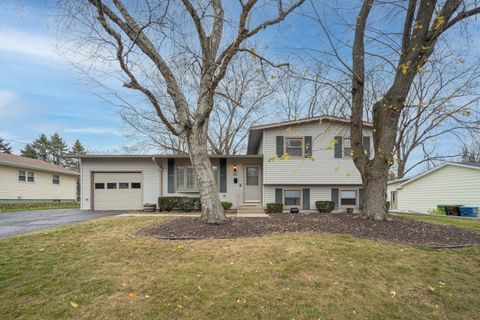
(246, 209)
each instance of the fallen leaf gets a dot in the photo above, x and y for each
(179, 306)
(147, 296)
(74, 304)
(431, 288)
(133, 294)
(180, 246)
(393, 294)
(41, 249)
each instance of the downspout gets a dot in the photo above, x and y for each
(157, 162)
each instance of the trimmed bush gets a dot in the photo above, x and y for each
(325, 206)
(226, 205)
(274, 208)
(195, 203)
(168, 203)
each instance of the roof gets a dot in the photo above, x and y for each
(398, 180)
(255, 133)
(29, 163)
(474, 166)
(164, 156)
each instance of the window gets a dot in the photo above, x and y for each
(294, 147)
(185, 179)
(191, 181)
(292, 197)
(123, 185)
(100, 185)
(111, 185)
(135, 185)
(56, 179)
(30, 176)
(348, 197)
(22, 176)
(347, 147)
(180, 178)
(252, 176)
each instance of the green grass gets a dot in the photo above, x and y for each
(457, 222)
(106, 273)
(37, 206)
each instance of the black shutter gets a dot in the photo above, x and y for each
(223, 175)
(361, 199)
(338, 147)
(278, 196)
(335, 197)
(279, 146)
(306, 199)
(308, 146)
(171, 175)
(366, 145)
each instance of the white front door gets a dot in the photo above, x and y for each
(252, 183)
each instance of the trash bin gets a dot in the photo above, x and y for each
(468, 211)
(453, 210)
(441, 208)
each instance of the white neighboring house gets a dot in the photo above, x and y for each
(295, 163)
(448, 184)
(26, 180)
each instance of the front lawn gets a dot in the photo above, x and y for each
(37, 206)
(99, 270)
(454, 221)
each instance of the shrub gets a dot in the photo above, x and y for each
(226, 205)
(195, 203)
(325, 206)
(168, 203)
(185, 204)
(274, 207)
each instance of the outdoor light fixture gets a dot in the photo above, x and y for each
(234, 167)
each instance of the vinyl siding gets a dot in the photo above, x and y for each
(42, 189)
(448, 185)
(317, 193)
(149, 169)
(152, 177)
(324, 169)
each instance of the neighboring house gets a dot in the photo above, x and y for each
(447, 184)
(29, 180)
(295, 163)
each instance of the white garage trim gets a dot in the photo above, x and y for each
(117, 199)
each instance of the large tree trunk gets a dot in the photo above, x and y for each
(212, 210)
(375, 172)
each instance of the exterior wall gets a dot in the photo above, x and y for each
(317, 193)
(234, 192)
(12, 190)
(448, 185)
(324, 169)
(155, 180)
(150, 170)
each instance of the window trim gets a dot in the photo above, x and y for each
(216, 172)
(302, 147)
(25, 176)
(347, 205)
(53, 179)
(33, 176)
(292, 206)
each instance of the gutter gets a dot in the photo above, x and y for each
(157, 162)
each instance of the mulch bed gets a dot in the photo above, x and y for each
(399, 230)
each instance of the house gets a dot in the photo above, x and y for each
(26, 180)
(294, 162)
(448, 184)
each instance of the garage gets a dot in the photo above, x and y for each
(117, 191)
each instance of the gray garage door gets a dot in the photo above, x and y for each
(117, 191)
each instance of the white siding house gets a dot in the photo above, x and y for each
(448, 184)
(295, 163)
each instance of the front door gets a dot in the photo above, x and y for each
(252, 184)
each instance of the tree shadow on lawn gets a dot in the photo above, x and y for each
(398, 230)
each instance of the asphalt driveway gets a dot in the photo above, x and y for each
(13, 223)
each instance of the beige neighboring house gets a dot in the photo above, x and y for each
(448, 184)
(26, 180)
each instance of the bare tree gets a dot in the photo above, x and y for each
(470, 150)
(423, 24)
(146, 36)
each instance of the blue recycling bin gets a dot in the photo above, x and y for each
(468, 211)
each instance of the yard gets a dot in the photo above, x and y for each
(100, 270)
(37, 206)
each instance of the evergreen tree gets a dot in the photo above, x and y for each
(29, 152)
(76, 150)
(5, 146)
(57, 149)
(42, 148)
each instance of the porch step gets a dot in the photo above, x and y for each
(250, 208)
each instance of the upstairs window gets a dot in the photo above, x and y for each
(22, 176)
(347, 147)
(30, 176)
(294, 147)
(56, 179)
